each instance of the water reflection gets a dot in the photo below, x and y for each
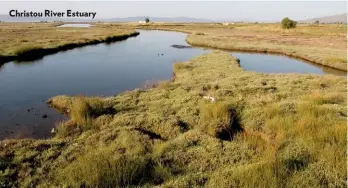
(273, 63)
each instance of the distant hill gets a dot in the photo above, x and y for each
(340, 18)
(8, 18)
(157, 19)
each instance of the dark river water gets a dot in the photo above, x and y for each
(105, 70)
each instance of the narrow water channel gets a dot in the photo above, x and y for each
(105, 70)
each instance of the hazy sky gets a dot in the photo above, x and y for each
(237, 10)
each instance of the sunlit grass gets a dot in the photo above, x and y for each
(288, 130)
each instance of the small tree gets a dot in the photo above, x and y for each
(288, 24)
(316, 22)
(147, 20)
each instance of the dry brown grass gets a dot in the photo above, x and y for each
(325, 44)
(20, 37)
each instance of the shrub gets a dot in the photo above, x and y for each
(147, 20)
(288, 24)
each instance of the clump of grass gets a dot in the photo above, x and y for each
(199, 33)
(218, 120)
(99, 106)
(162, 84)
(238, 60)
(60, 102)
(80, 111)
(62, 129)
(246, 176)
(161, 173)
(181, 66)
(103, 169)
(83, 111)
(293, 155)
(329, 98)
(66, 129)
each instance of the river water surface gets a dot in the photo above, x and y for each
(106, 70)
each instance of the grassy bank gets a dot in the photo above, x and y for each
(28, 41)
(321, 44)
(263, 130)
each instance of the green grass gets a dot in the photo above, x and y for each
(181, 66)
(217, 120)
(102, 169)
(291, 132)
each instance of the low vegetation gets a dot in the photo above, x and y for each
(262, 130)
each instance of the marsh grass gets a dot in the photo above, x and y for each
(102, 169)
(336, 60)
(25, 49)
(25, 42)
(181, 66)
(81, 111)
(324, 45)
(62, 129)
(216, 119)
(288, 130)
(85, 114)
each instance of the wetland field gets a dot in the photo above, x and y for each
(173, 105)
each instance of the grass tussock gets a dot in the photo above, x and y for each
(85, 114)
(102, 169)
(181, 66)
(199, 33)
(80, 111)
(218, 120)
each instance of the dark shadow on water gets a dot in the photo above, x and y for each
(39, 53)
